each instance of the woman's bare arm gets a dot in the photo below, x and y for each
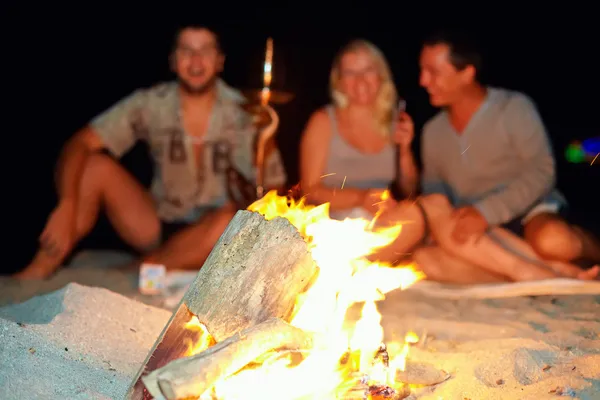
(409, 173)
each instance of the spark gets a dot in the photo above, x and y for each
(465, 150)
(592, 163)
(344, 182)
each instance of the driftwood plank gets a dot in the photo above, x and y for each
(254, 273)
(191, 376)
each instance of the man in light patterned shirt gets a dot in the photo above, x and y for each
(195, 127)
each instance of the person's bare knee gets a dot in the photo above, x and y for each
(552, 238)
(220, 219)
(98, 164)
(190, 247)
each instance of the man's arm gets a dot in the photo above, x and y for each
(431, 181)
(113, 130)
(530, 142)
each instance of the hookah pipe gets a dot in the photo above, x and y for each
(266, 120)
(239, 189)
(261, 145)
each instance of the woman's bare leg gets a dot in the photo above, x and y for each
(412, 233)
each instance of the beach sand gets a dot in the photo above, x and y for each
(75, 343)
(82, 342)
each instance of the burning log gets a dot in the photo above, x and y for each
(254, 273)
(192, 376)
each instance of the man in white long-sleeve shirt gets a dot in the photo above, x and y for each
(490, 210)
(488, 152)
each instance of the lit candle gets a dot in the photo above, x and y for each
(267, 68)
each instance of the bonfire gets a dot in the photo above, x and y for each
(282, 327)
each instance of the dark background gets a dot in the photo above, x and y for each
(62, 65)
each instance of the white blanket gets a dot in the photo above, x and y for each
(514, 289)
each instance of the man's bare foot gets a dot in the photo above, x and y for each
(590, 274)
(42, 267)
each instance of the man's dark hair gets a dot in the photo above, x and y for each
(464, 50)
(195, 25)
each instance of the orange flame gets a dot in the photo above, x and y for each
(346, 278)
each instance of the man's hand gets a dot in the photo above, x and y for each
(470, 224)
(405, 131)
(59, 234)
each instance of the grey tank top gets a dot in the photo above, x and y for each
(348, 166)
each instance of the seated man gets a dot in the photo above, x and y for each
(194, 127)
(488, 152)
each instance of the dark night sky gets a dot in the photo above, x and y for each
(63, 65)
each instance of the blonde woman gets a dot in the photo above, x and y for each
(355, 148)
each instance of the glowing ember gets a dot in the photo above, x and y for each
(350, 358)
(205, 340)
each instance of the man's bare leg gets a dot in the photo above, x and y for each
(520, 246)
(553, 238)
(105, 183)
(441, 266)
(484, 252)
(189, 248)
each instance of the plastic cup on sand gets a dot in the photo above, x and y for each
(152, 279)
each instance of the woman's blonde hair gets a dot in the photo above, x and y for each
(387, 96)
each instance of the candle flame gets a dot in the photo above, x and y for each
(267, 75)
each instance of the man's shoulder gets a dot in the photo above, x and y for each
(155, 96)
(229, 94)
(511, 100)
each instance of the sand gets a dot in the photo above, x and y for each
(75, 343)
(511, 348)
(84, 342)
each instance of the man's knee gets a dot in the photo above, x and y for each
(435, 201)
(99, 166)
(215, 222)
(551, 238)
